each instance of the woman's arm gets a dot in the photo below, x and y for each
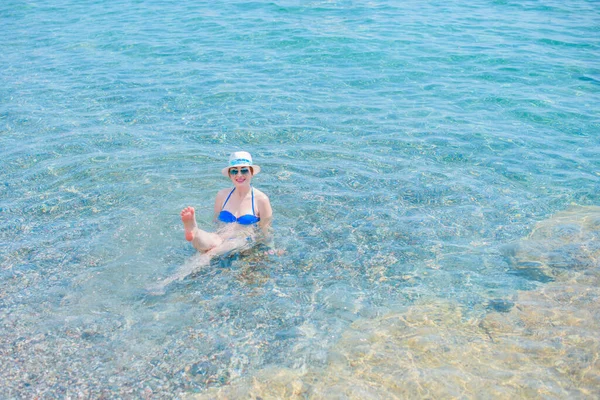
(266, 218)
(219, 199)
(265, 212)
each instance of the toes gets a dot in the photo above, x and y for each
(187, 212)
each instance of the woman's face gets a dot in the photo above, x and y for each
(240, 175)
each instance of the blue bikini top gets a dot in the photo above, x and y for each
(229, 218)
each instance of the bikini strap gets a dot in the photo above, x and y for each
(226, 200)
(253, 213)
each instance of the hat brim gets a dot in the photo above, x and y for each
(255, 169)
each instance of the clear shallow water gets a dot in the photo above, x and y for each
(404, 147)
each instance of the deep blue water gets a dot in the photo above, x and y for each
(404, 145)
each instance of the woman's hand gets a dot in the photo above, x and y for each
(275, 252)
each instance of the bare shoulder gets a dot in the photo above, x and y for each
(264, 205)
(223, 192)
(260, 196)
(221, 195)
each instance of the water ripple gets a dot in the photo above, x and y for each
(405, 146)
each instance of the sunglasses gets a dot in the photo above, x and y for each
(234, 172)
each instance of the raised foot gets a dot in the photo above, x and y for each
(188, 217)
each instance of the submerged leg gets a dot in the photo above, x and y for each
(199, 262)
(201, 240)
(194, 264)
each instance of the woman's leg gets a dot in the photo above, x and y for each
(209, 244)
(201, 240)
(200, 261)
(194, 264)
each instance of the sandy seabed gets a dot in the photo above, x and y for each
(540, 344)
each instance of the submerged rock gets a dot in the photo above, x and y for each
(544, 344)
(567, 242)
(500, 305)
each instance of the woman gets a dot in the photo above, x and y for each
(244, 214)
(240, 210)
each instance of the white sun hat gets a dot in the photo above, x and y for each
(240, 159)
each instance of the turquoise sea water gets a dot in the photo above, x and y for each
(405, 145)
